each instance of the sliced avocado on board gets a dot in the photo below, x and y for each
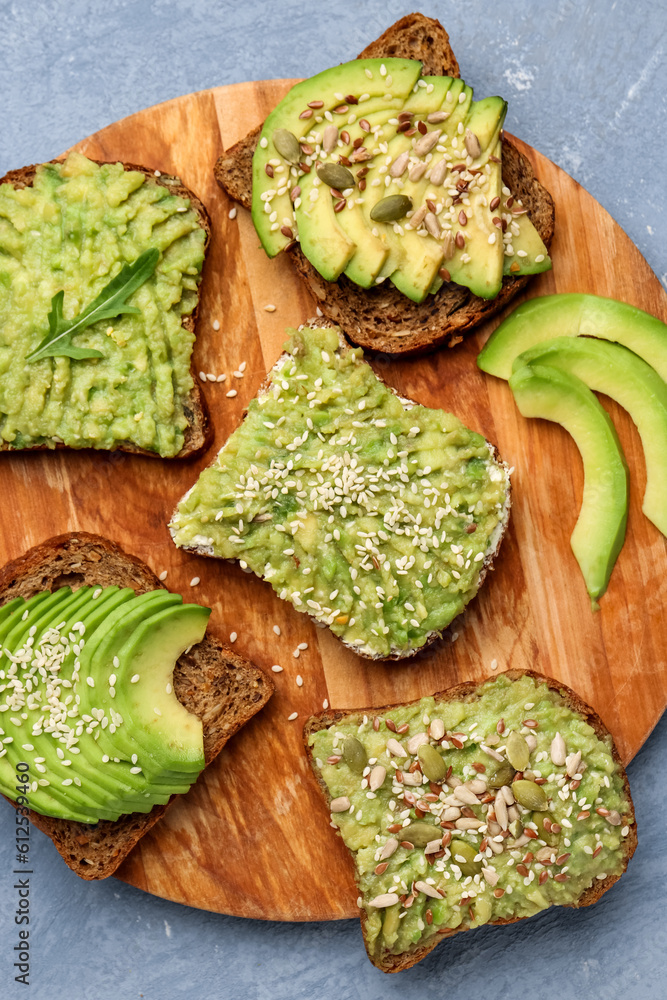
(552, 394)
(380, 173)
(618, 373)
(575, 315)
(87, 701)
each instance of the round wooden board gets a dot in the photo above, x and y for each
(253, 836)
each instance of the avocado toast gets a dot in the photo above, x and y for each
(486, 803)
(374, 515)
(66, 228)
(211, 683)
(379, 317)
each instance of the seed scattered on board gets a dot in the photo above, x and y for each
(163, 576)
(194, 582)
(232, 213)
(233, 637)
(293, 716)
(277, 669)
(269, 308)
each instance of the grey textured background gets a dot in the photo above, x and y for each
(587, 86)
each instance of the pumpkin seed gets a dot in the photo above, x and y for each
(287, 145)
(432, 763)
(501, 776)
(464, 854)
(336, 176)
(354, 754)
(518, 753)
(419, 834)
(391, 209)
(529, 795)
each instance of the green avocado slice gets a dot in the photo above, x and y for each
(575, 315)
(552, 394)
(622, 375)
(162, 725)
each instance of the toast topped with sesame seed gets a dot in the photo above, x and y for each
(213, 683)
(485, 803)
(376, 516)
(141, 389)
(379, 318)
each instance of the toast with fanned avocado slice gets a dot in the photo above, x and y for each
(381, 318)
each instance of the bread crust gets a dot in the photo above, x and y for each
(468, 691)
(212, 681)
(489, 558)
(198, 434)
(382, 319)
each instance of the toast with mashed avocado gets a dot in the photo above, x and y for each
(114, 697)
(100, 265)
(359, 251)
(374, 515)
(485, 803)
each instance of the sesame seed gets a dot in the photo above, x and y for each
(134, 679)
(195, 581)
(269, 308)
(231, 393)
(276, 629)
(232, 212)
(221, 378)
(293, 716)
(299, 680)
(277, 669)
(325, 704)
(163, 576)
(202, 376)
(303, 645)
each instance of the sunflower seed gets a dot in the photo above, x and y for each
(416, 171)
(438, 172)
(427, 142)
(384, 899)
(468, 823)
(437, 116)
(416, 741)
(448, 248)
(432, 225)
(399, 166)
(437, 727)
(472, 144)
(558, 750)
(389, 848)
(490, 876)
(341, 804)
(428, 890)
(287, 145)
(614, 818)
(376, 777)
(395, 748)
(500, 807)
(433, 846)
(415, 222)
(329, 138)
(572, 763)
(451, 813)
(464, 794)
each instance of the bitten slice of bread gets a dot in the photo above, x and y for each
(381, 318)
(469, 692)
(222, 688)
(198, 434)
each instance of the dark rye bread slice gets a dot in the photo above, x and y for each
(467, 691)
(199, 432)
(381, 318)
(222, 688)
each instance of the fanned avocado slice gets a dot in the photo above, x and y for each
(620, 374)
(294, 114)
(552, 394)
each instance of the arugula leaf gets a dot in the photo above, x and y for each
(111, 302)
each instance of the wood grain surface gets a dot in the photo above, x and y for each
(253, 838)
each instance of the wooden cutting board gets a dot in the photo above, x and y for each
(253, 837)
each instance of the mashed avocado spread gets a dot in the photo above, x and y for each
(73, 230)
(371, 514)
(469, 811)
